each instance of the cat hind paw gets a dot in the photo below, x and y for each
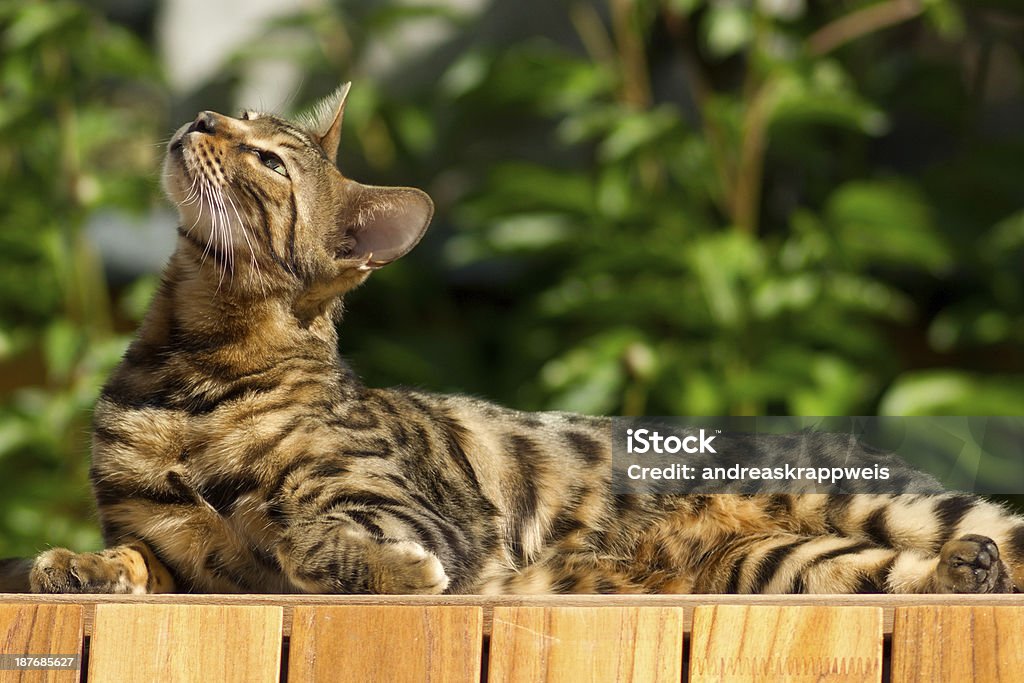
(406, 568)
(971, 564)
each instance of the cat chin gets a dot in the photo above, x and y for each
(175, 140)
(174, 157)
(171, 179)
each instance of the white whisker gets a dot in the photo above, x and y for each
(204, 192)
(245, 234)
(222, 236)
(190, 196)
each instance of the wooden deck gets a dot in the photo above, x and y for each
(252, 638)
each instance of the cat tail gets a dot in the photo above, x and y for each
(14, 573)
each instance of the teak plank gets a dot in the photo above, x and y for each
(181, 643)
(958, 644)
(395, 644)
(488, 602)
(531, 644)
(40, 630)
(754, 643)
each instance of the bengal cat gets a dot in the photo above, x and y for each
(235, 451)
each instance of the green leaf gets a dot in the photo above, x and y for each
(725, 264)
(526, 187)
(36, 20)
(867, 295)
(616, 192)
(836, 387)
(728, 28)
(946, 17)
(393, 15)
(954, 392)
(783, 10)
(636, 130)
(887, 222)
(1006, 236)
(685, 7)
(591, 376)
(974, 322)
(823, 93)
(793, 293)
(416, 129)
(466, 74)
(62, 345)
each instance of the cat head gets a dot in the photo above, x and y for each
(264, 207)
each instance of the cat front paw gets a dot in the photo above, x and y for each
(61, 571)
(971, 564)
(406, 568)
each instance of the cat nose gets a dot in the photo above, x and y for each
(206, 123)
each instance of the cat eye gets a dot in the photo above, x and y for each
(271, 161)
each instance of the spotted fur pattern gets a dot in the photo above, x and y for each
(234, 451)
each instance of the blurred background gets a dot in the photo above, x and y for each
(662, 207)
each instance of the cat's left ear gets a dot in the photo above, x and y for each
(324, 121)
(375, 226)
(384, 223)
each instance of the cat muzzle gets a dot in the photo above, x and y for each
(206, 122)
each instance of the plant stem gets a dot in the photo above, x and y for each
(677, 26)
(592, 33)
(746, 202)
(862, 22)
(636, 86)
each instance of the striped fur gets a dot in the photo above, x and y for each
(233, 449)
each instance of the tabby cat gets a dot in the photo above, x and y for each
(233, 449)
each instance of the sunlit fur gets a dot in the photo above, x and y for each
(233, 449)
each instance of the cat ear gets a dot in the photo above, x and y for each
(324, 121)
(380, 224)
(385, 223)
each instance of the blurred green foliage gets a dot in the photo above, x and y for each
(677, 207)
(76, 134)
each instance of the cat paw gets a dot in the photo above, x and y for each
(61, 571)
(408, 568)
(971, 564)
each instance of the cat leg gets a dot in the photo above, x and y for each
(341, 556)
(571, 572)
(127, 568)
(929, 524)
(969, 564)
(790, 563)
(14, 573)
